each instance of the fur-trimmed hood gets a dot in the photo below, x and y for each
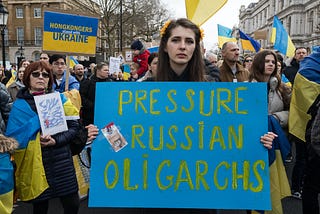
(7, 144)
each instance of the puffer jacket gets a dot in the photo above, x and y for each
(5, 107)
(276, 106)
(291, 71)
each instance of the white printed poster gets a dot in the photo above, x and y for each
(114, 65)
(51, 113)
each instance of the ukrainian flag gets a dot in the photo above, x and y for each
(6, 184)
(24, 126)
(73, 61)
(13, 77)
(306, 88)
(224, 35)
(280, 38)
(248, 43)
(199, 11)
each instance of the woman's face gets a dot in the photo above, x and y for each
(153, 66)
(248, 63)
(39, 80)
(103, 73)
(180, 47)
(25, 64)
(279, 67)
(20, 74)
(269, 65)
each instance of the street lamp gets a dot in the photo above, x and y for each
(3, 24)
(21, 57)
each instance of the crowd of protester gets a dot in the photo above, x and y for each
(181, 57)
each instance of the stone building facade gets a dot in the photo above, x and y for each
(23, 37)
(301, 18)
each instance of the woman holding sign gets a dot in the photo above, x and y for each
(44, 163)
(180, 59)
(264, 69)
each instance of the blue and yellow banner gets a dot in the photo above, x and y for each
(225, 35)
(249, 43)
(69, 33)
(199, 11)
(306, 88)
(6, 184)
(180, 145)
(281, 39)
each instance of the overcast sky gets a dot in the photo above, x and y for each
(227, 16)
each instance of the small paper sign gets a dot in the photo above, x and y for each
(51, 113)
(114, 65)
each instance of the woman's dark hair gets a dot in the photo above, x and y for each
(258, 66)
(245, 58)
(152, 56)
(280, 59)
(22, 61)
(38, 65)
(195, 66)
(257, 73)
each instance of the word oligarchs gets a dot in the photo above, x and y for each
(185, 174)
(209, 102)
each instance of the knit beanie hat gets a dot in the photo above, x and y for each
(136, 45)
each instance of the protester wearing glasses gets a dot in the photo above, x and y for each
(59, 67)
(247, 62)
(231, 70)
(44, 162)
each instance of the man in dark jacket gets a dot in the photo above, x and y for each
(231, 70)
(291, 70)
(300, 160)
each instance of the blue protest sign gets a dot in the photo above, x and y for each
(180, 145)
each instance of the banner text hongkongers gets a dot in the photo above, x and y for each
(180, 145)
(68, 33)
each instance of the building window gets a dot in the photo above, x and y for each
(38, 35)
(20, 36)
(19, 13)
(289, 25)
(310, 22)
(37, 12)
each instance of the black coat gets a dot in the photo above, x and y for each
(88, 97)
(291, 71)
(57, 160)
(212, 71)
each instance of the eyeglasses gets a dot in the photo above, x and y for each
(37, 74)
(59, 63)
(248, 60)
